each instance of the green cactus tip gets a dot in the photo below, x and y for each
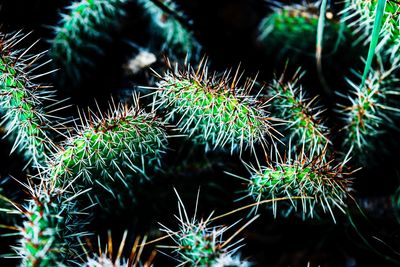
(313, 185)
(199, 244)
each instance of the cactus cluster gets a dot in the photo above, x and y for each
(293, 144)
(130, 133)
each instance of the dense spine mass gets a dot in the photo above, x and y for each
(311, 184)
(105, 149)
(126, 140)
(214, 111)
(47, 238)
(21, 100)
(372, 111)
(300, 114)
(360, 16)
(107, 257)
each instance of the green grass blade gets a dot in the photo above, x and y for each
(380, 9)
(319, 45)
(320, 30)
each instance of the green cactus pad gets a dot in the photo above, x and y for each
(128, 140)
(214, 112)
(45, 241)
(371, 111)
(177, 37)
(86, 24)
(301, 116)
(21, 100)
(321, 185)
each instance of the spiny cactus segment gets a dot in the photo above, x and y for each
(167, 21)
(294, 27)
(371, 112)
(300, 115)
(313, 185)
(87, 23)
(105, 148)
(199, 244)
(21, 99)
(214, 110)
(50, 228)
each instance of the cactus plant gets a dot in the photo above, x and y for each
(322, 184)
(301, 116)
(167, 21)
(21, 100)
(214, 111)
(79, 33)
(199, 244)
(371, 112)
(292, 146)
(126, 139)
